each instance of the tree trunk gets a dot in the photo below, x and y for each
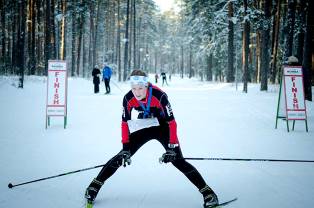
(230, 73)
(275, 41)
(62, 44)
(134, 36)
(87, 70)
(258, 57)
(209, 72)
(79, 42)
(74, 30)
(91, 37)
(182, 62)
(139, 44)
(47, 36)
(21, 40)
(3, 54)
(95, 39)
(289, 29)
(126, 46)
(190, 61)
(301, 28)
(53, 47)
(31, 36)
(39, 39)
(245, 49)
(265, 56)
(32, 55)
(119, 42)
(307, 52)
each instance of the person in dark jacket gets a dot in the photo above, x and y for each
(155, 121)
(164, 78)
(96, 80)
(156, 78)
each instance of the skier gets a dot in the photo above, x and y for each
(156, 78)
(157, 122)
(96, 80)
(164, 78)
(106, 73)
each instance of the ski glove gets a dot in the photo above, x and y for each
(169, 156)
(124, 158)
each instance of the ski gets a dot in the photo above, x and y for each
(224, 203)
(89, 204)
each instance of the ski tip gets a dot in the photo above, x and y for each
(234, 199)
(226, 202)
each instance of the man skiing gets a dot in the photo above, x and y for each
(155, 121)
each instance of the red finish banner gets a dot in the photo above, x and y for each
(56, 89)
(294, 93)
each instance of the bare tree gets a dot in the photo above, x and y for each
(126, 44)
(119, 41)
(307, 52)
(275, 40)
(2, 32)
(79, 39)
(289, 28)
(230, 72)
(265, 44)
(31, 36)
(49, 33)
(21, 40)
(245, 48)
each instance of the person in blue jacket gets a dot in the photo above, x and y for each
(106, 75)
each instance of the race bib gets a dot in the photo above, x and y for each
(138, 124)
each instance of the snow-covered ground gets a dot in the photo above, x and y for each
(214, 120)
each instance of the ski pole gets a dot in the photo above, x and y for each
(115, 84)
(10, 185)
(247, 159)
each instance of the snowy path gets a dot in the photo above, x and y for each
(213, 120)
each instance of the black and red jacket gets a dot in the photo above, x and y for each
(159, 108)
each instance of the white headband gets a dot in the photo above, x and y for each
(139, 80)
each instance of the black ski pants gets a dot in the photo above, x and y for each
(138, 139)
(96, 88)
(107, 85)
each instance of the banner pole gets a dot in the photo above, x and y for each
(278, 103)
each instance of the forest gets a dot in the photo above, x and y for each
(245, 41)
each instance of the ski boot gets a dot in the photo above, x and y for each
(210, 198)
(92, 190)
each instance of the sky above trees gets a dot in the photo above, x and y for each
(166, 5)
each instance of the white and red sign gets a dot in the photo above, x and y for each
(57, 89)
(294, 93)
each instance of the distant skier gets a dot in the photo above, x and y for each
(156, 78)
(155, 121)
(106, 73)
(164, 78)
(96, 80)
